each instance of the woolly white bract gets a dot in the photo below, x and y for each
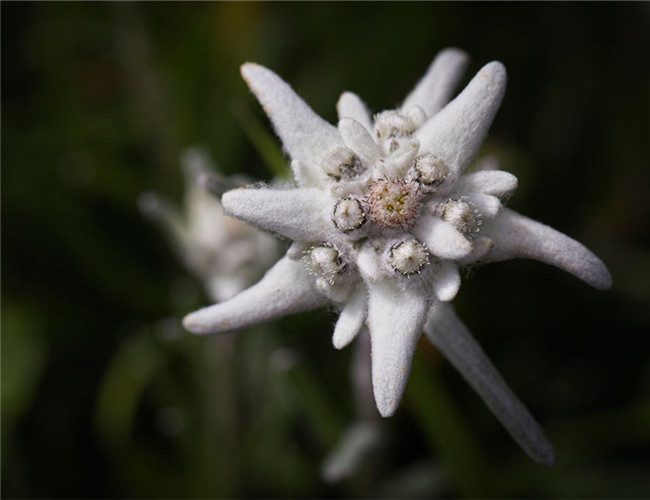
(382, 218)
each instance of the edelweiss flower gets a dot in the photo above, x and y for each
(226, 254)
(382, 218)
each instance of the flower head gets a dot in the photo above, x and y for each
(382, 217)
(226, 254)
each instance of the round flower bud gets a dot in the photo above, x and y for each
(341, 163)
(417, 116)
(461, 214)
(431, 171)
(326, 262)
(348, 215)
(408, 257)
(393, 124)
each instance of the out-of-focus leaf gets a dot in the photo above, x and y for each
(421, 480)
(445, 428)
(265, 144)
(325, 421)
(24, 354)
(126, 377)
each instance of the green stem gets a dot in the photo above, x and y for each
(448, 434)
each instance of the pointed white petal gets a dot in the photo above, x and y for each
(351, 318)
(456, 132)
(308, 174)
(494, 182)
(517, 236)
(351, 106)
(369, 264)
(441, 238)
(487, 206)
(400, 160)
(358, 139)
(456, 343)
(304, 134)
(395, 318)
(434, 90)
(298, 214)
(285, 289)
(446, 281)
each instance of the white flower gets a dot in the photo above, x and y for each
(226, 254)
(382, 218)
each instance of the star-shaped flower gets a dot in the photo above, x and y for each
(381, 219)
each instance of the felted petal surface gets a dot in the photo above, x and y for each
(435, 88)
(358, 139)
(494, 182)
(481, 245)
(446, 281)
(456, 343)
(369, 263)
(298, 214)
(487, 206)
(351, 318)
(441, 238)
(350, 105)
(517, 236)
(308, 174)
(395, 319)
(287, 288)
(399, 161)
(304, 134)
(456, 132)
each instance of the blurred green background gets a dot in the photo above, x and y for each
(105, 396)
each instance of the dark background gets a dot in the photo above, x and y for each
(103, 395)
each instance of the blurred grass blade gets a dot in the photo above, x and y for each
(448, 434)
(266, 145)
(24, 354)
(324, 420)
(126, 377)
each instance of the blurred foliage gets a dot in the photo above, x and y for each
(105, 396)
